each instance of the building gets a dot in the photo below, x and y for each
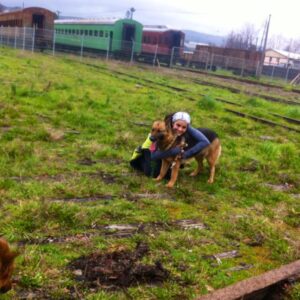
(281, 58)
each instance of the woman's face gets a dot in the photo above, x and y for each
(180, 127)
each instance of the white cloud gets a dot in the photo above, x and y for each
(214, 16)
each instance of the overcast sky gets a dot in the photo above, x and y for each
(212, 16)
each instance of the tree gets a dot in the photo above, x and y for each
(246, 38)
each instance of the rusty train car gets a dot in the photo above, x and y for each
(238, 60)
(39, 19)
(35, 17)
(161, 42)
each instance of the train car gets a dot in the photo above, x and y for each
(35, 17)
(239, 60)
(19, 26)
(160, 40)
(115, 35)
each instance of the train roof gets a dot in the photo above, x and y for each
(32, 8)
(159, 28)
(88, 21)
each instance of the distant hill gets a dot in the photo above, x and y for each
(4, 8)
(199, 37)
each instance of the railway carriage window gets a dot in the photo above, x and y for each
(86, 32)
(91, 32)
(81, 31)
(70, 31)
(73, 31)
(96, 33)
(77, 31)
(101, 33)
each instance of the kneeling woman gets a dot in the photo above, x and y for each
(147, 158)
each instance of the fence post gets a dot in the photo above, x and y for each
(33, 39)
(24, 37)
(243, 66)
(287, 73)
(81, 48)
(211, 62)
(155, 55)
(132, 52)
(1, 34)
(15, 46)
(272, 74)
(171, 59)
(54, 41)
(207, 60)
(107, 50)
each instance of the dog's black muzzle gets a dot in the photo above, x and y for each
(159, 136)
(152, 138)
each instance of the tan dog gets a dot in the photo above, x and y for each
(166, 140)
(6, 266)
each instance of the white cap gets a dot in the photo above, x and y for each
(181, 115)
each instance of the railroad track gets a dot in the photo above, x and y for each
(162, 86)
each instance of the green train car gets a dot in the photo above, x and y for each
(115, 35)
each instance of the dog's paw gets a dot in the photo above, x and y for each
(157, 179)
(193, 174)
(210, 181)
(170, 185)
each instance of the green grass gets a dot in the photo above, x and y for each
(56, 112)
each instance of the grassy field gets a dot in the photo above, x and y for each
(68, 129)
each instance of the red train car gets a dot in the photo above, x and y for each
(230, 58)
(160, 40)
(35, 17)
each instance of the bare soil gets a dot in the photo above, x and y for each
(118, 269)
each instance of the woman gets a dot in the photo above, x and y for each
(147, 158)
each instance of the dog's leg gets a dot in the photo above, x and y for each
(212, 167)
(174, 174)
(212, 161)
(199, 168)
(163, 170)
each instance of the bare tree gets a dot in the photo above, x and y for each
(246, 38)
(277, 42)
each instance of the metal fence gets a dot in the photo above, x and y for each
(51, 42)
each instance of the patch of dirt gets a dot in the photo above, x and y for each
(135, 197)
(118, 269)
(251, 166)
(85, 199)
(118, 231)
(86, 161)
(105, 177)
(280, 187)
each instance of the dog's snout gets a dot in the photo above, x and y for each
(152, 138)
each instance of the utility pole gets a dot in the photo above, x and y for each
(263, 51)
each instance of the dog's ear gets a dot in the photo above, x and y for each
(168, 121)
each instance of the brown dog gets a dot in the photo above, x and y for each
(6, 266)
(165, 139)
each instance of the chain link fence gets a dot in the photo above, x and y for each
(52, 42)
